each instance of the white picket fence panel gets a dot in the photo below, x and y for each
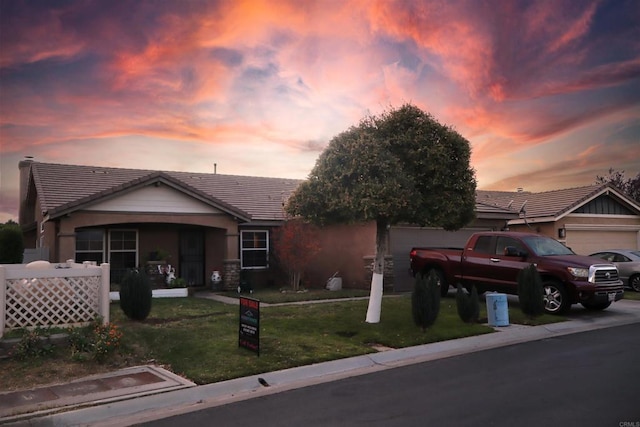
(40, 294)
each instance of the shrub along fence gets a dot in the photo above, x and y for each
(40, 294)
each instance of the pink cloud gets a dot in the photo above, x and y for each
(286, 76)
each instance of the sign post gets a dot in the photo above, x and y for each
(249, 331)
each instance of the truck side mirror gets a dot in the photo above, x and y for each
(515, 252)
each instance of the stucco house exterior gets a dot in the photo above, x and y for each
(586, 219)
(205, 222)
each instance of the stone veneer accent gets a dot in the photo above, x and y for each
(388, 271)
(230, 274)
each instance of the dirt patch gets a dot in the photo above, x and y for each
(379, 347)
(60, 368)
(27, 374)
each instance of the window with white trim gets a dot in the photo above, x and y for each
(254, 249)
(90, 245)
(123, 252)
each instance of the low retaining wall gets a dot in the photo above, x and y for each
(157, 293)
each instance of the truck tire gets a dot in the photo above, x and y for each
(599, 306)
(442, 282)
(555, 297)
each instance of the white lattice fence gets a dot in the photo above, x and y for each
(61, 295)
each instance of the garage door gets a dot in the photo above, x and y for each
(585, 242)
(405, 238)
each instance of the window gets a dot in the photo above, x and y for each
(254, 249)
(123, 252)
(90, 245)
(503, 242)
(483, 245)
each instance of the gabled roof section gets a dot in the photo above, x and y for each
(486, 210)
(553, 204)
(262, 198)
(65, 188)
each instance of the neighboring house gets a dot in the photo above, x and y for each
(205, 222)
(586, 219)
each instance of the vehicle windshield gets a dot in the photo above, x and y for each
(545, 246)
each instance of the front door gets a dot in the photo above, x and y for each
(191, 267)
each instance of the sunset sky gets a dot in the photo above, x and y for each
(547, 92)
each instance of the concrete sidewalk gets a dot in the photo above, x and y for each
(131, 408)
(89, 391)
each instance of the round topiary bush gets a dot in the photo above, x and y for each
(135, 295)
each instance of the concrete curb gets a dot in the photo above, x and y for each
(148, 408)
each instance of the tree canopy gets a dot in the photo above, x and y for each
(401, 166)
(630, 186)
(11, 244)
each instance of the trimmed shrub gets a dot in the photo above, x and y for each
(425, 300)
(33, 343)
(468, 305)
(11, 244)
(530, 291)
(135, 295)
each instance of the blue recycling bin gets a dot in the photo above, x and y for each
(497, 309)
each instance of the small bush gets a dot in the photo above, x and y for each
(530, 291)
(11, 244)
(468, 305)
(96, 341)
(425, 300)
(136, 295)
(107, 340)
(80, 342)
(178, 283)
(34, 343)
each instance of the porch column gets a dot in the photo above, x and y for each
(231, 262)
(66, 243)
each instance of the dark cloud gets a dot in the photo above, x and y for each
(229, 57)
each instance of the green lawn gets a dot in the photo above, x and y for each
(282, 296)
(198, 338)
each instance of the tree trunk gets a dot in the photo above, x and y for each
(375, 296)
(294, 280)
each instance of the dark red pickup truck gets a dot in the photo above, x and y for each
(492, 260)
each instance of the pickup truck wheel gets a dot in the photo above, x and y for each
(555, 297)
(634, 282)
(599, 306)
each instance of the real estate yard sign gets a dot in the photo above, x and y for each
(249, 332)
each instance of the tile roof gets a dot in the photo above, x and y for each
(554, 203)
(62, 188)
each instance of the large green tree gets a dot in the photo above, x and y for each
(399, 167)
(11, 244)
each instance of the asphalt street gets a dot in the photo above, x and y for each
(585, 379)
